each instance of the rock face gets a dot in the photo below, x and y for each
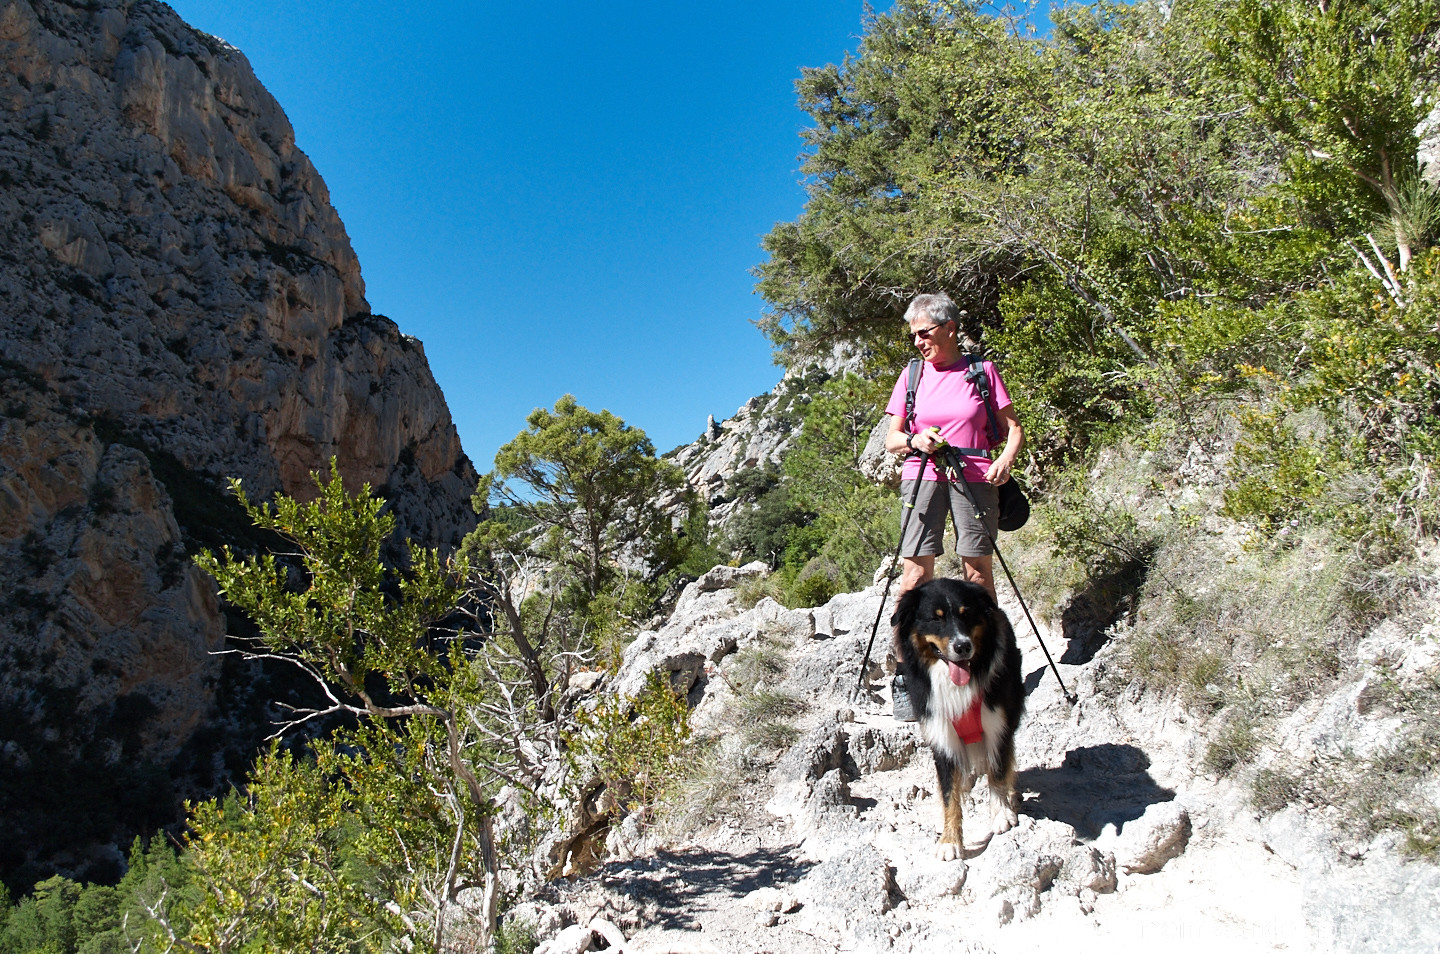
(757, 434)
(179, 303)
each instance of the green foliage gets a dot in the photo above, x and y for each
(1339, 80)
(367, 843)
(585, 493)
(1276, 474)
(64, 917)
(342, 622)
(631, 743)
(280, 867)
(1145, 210)
(694, 549)
(1367, 387)
(515, 937)
(771, 519)
(855, 518)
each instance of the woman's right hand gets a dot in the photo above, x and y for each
(928, 441)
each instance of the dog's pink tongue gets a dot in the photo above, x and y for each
(960, 675)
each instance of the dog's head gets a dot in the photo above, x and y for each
(949, 622)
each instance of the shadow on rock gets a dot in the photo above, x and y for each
(1107, 597)
(1032, 681)
(1096, 785)
(675, 887)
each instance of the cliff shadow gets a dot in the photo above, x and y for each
(1096, 785)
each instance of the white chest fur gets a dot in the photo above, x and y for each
(948, 702)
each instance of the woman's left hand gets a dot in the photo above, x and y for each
(999, 472)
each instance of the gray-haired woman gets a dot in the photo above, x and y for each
(949, 410)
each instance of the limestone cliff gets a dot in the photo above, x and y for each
(179, 303)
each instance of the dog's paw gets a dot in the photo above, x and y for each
(948, 851)
(1003, 820)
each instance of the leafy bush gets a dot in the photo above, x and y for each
(1275, 475)
(632, 743)
(515, 937)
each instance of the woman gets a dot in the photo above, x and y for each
(946, 400)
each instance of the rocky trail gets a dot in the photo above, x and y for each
(828, 845)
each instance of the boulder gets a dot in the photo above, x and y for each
(853, 885)
(1148, 842)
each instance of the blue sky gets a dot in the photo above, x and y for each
(559, 197)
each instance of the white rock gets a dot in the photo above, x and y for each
(925, 878)
(614, 939)
(772, 899)
(572, 940)
(1148, 842)
(586, 680)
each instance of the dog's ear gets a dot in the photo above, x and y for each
(905, 610)
(983, 595)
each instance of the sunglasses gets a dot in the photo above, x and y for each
(924, 333)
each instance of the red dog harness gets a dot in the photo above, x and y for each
(968, 726)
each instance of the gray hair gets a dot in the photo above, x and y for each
(939, 308)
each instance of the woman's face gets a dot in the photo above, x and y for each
(936, 342)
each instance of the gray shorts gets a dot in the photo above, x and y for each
(925, 532)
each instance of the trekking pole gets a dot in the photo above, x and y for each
(890, 575)
(995, 544)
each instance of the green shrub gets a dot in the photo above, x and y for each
(632, 743)
(813, 590)
(1276, 476)
(515, 937)
(65, 917)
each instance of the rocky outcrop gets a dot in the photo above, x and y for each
(179, 304)
(759, 433)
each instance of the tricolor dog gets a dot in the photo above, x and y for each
(962, 669)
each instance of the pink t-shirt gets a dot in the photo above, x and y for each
(946, 400)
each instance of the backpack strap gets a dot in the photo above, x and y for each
(976, 376)
(912, 383)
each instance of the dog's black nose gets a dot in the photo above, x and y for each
(962, 647)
